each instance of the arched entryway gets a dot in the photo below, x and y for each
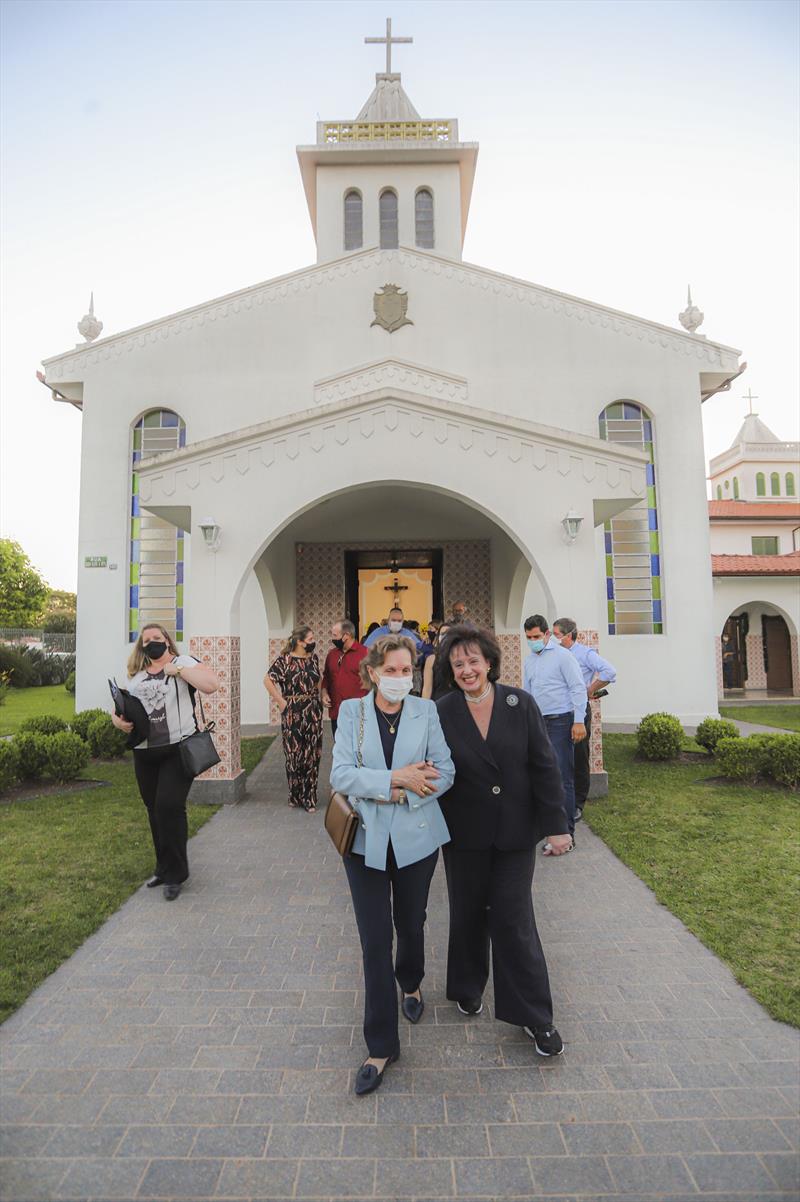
(758, 652)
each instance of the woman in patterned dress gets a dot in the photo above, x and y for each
(294, 683)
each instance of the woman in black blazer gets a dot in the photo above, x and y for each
(507, 795)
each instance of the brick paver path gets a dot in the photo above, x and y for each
(206, 1048)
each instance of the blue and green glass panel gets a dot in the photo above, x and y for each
(633, 556)
(158, 431)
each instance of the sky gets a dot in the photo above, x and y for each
(628, 148)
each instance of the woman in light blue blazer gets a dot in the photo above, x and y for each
(391, 759)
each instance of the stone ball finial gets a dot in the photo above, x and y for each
(691, 318)
(88, 326)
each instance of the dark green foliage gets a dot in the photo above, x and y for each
(13, 661)
(32, 751)
(30, 666)
(761, 757)
(105, 741)
(69, 683)
(83, 720)
(659, 736)
(9, 765)
(784, 758)
(67, 755)
(43, 724)
(711, 730)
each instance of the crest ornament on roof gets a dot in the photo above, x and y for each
(391, 306)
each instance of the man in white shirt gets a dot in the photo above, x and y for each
(597, 673)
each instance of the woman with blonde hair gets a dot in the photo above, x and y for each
(294, 682)
(391, 759)
(165, 683)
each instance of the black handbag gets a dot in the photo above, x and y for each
(197, 750)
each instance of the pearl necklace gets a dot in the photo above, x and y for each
(477, 700)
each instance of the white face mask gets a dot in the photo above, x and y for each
(395, 627)
(395, 688)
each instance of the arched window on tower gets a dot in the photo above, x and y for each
(719, 492)
(353, 220)
(388, 219)
(775, 484)
(157, 547)
(736, 488)
(423, 218)
(761, 484)
(634, 578)
(790, 484)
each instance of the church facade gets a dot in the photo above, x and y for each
(393, 421)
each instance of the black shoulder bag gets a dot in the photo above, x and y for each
(197, 750)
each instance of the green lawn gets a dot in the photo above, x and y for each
(725, 858)
(787, 717)
(28, 703)
(69, 861)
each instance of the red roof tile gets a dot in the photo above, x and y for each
(756, 565)
(760, 510)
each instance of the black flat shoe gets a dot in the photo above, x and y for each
(368, 1078)
(472, 1005)
(171, 892)
(412, 1007)
(154, 882)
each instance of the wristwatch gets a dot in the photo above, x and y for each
(179, 670)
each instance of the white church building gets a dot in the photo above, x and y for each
(394, 422)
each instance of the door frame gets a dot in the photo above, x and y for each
(411, 557)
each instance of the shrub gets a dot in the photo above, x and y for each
(659, 736)
(745, 759)
(9, 765)
(32, 752)
(69, 683)
(711, 730)
(81, 722)
(43, 724)
(105, 741)
(783, 758)
(30, 666)
(67, 755)
(13, 661)
(5, 685)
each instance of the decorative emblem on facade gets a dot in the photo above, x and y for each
(391, 306)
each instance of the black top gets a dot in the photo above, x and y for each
(387, 738)
(507, 792)
(441, 679)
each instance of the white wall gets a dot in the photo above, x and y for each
(734, 538)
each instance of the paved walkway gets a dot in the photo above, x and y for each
(205, 1049)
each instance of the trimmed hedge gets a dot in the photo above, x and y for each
(659, 736)
(711, 730)
(82, 721)
(758, 757)
(32, 751)
(9, 765)
(67, 755)
(69, 684)
(43, 724)
(105, 741)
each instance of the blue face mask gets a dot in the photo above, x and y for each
(536, 645)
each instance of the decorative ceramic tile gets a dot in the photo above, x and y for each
(222, 707)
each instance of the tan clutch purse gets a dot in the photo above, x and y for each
(341, 820)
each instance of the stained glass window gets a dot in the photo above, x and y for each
(157, 548)
(790, 484)
(353, 221)
(634, 571)
(388, 220)
(423, 216)
(736, 488)
(775, 484)
(761, 484)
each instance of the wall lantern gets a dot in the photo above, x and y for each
(572, 525)
(211, 533)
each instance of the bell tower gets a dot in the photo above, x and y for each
(390, 178)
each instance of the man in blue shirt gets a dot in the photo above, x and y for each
(597, 673)
(394, 626)
(552, 676)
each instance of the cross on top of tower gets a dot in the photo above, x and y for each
(749, 398)
(388, 41)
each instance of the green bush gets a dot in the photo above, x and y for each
(745, 759)
(5, 685)
(711, 730)
(82, 721)
(22, 674)
(67, 755)
(69, 683)
(43, 724)
(105, 741)
(783, 757)
(9, 765)
(32, 752)
(659, 736)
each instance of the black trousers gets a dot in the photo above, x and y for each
(399, 894)
(490, 900)
(164, 789)
(582, 753)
